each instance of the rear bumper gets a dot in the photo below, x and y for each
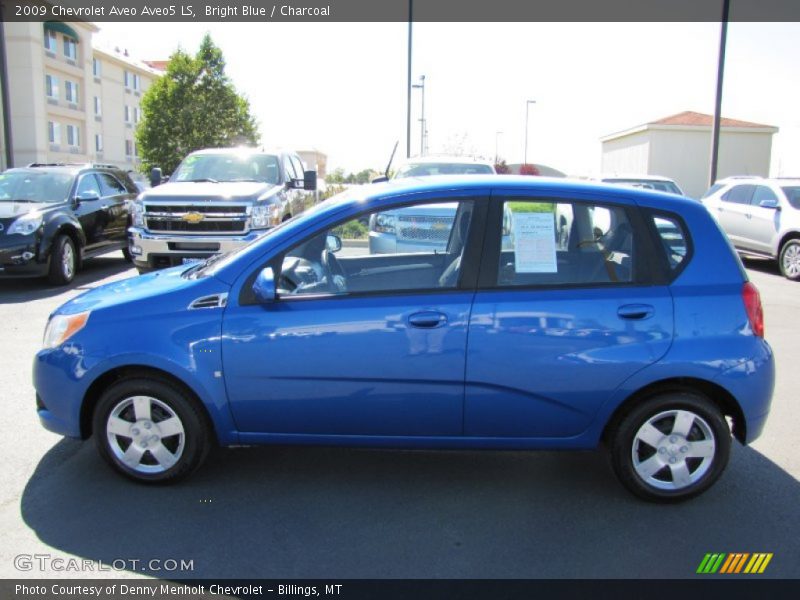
(752, 383)
(150, 250)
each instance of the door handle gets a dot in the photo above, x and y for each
(636, 312)
(428, 319)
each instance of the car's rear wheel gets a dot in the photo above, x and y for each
(671, 447)
(150, 430)
(63, 261)
(789, 260)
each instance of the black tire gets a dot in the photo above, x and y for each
(789, 260)
(64, 261)
(156, 453)
(126, 254)
(286, 218)
(652, 469)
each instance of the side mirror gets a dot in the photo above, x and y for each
(155, 177)
(310, 181)
(381, 179)
(264, 286)
(773, 204)
(87, 196)
(333, 243)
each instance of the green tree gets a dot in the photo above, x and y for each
(193, 105)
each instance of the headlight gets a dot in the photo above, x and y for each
(263, 216)
(137, 214)
(62, 327)
(384, 223)
(26, 225)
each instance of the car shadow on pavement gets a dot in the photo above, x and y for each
(93, 270)
(762, 264)
(300, 512)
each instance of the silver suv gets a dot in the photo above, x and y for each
(761, 218)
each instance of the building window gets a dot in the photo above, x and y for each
(128, 79)
(73, 136)
(97, 106)
(53, 132)
(51, 86)
(70, 48)
(128, 148)
(98, 142)
(71, 91)
(97, 67)
(127, 114)
(137, 114)
(50, 42)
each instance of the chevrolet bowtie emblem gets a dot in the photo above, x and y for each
(193, 217)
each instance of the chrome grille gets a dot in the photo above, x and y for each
(216, 218)
(424, 228)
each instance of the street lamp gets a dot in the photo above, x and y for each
(421, 86)
(497, 134)
(527, 104)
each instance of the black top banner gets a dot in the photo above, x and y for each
(398, 10)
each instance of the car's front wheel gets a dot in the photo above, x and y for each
(789, 260)
(63, 261)
(671, 447)
(150, 430)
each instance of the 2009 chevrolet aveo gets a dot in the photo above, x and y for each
(560, 315)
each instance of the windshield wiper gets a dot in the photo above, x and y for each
(29, 200)
(201, 180)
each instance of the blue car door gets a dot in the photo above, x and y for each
(564, 314)
(355, 344)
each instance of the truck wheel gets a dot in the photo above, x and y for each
(671, 447)
(150, 430)
(63, 261)
(789, 260)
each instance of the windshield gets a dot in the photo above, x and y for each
(34, 186)
(792, 195)
(443, 168)
(229, 166)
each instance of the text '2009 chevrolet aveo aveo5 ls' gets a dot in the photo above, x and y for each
(560, 315)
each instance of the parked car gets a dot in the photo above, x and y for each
(422, 229)
(605, 335)
(217, 200)
(54, 216)
(647, 182)
(761, 218)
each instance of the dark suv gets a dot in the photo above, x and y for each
(52, 216)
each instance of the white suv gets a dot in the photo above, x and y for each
(761, 218)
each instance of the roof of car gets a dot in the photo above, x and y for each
(243, 150)
(633, 176)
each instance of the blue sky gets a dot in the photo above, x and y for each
(341, 87)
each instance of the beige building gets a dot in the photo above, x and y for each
(69, 100)
(679, 147)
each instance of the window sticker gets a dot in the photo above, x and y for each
(534, 242)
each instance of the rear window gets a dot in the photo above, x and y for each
(673, 240)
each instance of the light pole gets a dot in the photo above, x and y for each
(408, 88)
(497, 135)
(421, 86)
(525, 156)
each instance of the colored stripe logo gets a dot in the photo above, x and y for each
(733, 563)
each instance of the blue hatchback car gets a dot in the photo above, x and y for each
(560, 315)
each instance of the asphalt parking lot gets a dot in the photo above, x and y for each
(338, 513)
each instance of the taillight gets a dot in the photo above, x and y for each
(752, 304)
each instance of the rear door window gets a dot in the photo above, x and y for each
(565, 243)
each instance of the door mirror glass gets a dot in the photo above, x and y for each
(310, 181)
(264, 286)
(770, 204)
(155, 177)
(87, 196)
(333, 243)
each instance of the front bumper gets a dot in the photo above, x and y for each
(19, 257)
(155, 251)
